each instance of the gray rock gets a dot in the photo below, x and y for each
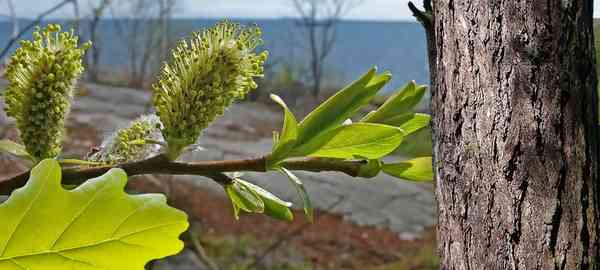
(185, 260)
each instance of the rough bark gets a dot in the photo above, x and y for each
(515, 123)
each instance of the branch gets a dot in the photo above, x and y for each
(211, 169)
(35, 22)
(426, 18)
(423, 16)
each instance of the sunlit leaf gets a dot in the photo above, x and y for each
(418, 169)
(401, 102)
(359, 140)
(95, 226)
(341, 106)
(410, 122)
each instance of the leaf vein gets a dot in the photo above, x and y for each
(78, 215)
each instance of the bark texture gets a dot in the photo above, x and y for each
(515, 123)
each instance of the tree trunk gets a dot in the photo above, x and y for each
(516, 139)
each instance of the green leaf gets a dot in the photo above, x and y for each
(341, 106)
(401, 102)
(286, 141)
(308, 209)
(244, 198)
(15, 149)
(274, 207)
(95, 226)
(410, 122)
(418, 169)
(359, 140)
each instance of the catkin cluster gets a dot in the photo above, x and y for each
(41, 76)
(135, 142)
(216, 67)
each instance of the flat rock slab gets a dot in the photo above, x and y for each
(403, 207)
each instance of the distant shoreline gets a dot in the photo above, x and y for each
(397, 46)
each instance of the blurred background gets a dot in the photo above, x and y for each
(316, 47)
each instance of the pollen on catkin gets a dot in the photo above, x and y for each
(207, 73)
(41, 75)
(138, 141)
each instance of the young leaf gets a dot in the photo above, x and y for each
(244, 198)
(364, 140)
(15, 149)
(95, 226)
(342, 105)
(418, 169)
(308, 209)
(400, 103)
(286, 141)
(410, 122)
(274, 207)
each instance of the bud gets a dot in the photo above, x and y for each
(206, 74)
(136, 142)
(41, 76)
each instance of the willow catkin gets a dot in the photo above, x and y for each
(207, 73)
(42, 74)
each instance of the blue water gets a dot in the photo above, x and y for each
(396, 46)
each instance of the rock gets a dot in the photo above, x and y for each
(185, 260)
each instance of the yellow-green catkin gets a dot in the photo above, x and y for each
(207, 73)
(136, 142)
(41, 76)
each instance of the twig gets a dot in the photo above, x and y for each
(427, 19)
(212, 169)
(423, 16)
(35, 22)
(200, 250)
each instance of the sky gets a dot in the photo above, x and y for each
(369, 9)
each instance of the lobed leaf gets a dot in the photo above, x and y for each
(359, 140)
(418, 169)
(95, 226)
